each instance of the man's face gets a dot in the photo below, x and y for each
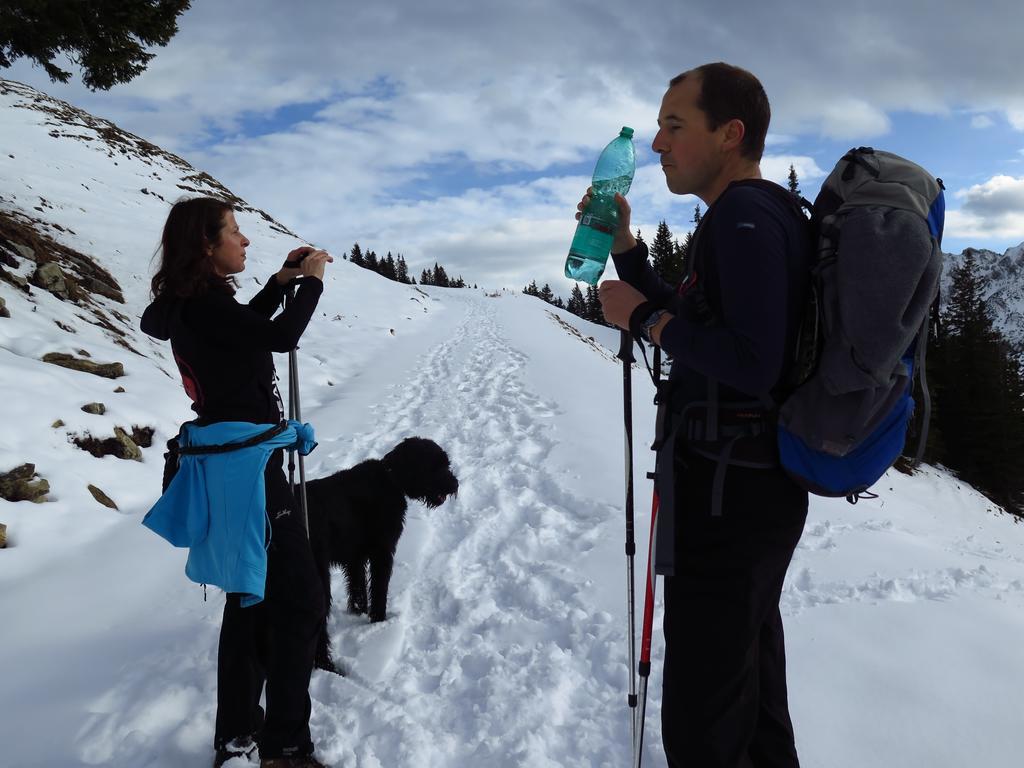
(691, 155)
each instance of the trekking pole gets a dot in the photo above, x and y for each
(626, 356)
(295, 413)
(644, 669)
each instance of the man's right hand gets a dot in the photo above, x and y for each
(623, 238)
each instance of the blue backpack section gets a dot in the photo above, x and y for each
(937, 217)
(826, 475)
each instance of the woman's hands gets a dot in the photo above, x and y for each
(313, 263)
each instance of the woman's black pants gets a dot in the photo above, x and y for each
(274, 641)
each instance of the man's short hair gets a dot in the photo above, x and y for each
(727, 93)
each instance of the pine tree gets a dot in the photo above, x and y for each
(357, 255)
(661, 249)
(532, 289)
(683, 260)
(794, 183)
(106, 38)
(666, 256)
(979, 394)
(426, 278)
(593, 311)
(547, 294)
(401, 270)
(679, 254)
(577, 304)
(370, 261)
(387, 267)
(440, 276)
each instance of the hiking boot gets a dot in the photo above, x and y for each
(243, 747)
(307, 761)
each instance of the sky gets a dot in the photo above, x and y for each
(466, 132)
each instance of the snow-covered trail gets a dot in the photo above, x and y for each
(494, 654)
(498, 649)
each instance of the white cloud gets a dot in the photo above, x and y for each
(998, 194)
(235, 56)
(1008, 226)
(853, 119)
(421, 100)
(776, 168)
(982, 121)
(994, 209)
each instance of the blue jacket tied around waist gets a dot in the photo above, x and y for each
(216, 504)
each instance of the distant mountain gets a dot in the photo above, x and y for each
(1003, 276)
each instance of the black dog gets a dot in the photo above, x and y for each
(356, 517)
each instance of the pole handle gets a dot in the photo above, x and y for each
(626, 347)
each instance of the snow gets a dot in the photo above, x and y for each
(506, 639)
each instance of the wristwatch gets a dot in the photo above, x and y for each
(650, 322)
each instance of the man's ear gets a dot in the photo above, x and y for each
(732, 134)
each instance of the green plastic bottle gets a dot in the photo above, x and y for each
(594, 234)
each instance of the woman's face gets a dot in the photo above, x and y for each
(228, 256)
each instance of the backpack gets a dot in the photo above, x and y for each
(875, 276)
(840, 418)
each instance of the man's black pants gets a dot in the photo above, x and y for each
(274, 641)
(724, 699)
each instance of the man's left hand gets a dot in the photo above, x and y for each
(618, 300)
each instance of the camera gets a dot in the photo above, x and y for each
(295, 263)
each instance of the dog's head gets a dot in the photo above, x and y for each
(422, 469)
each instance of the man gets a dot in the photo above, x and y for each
(730, 329)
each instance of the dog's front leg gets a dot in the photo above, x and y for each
(380, 577)
(355, 575)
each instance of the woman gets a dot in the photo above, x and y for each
(223, 351)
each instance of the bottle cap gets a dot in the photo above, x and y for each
(626, 131)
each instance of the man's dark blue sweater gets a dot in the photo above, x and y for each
(752, 268)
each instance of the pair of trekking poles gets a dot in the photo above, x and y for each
(295, 414)
(637, 701)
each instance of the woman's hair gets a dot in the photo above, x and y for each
(192, 226)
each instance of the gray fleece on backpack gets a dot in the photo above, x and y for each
(889, 266)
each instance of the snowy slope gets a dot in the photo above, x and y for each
(506, 641)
